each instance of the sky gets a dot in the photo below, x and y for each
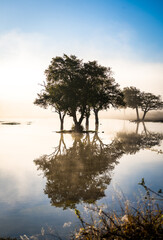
(126, 35)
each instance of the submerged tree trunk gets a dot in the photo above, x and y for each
(137, 113)
(62, 122)
(87, 114)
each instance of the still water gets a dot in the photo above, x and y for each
(45, 175)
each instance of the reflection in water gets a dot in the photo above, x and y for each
(133, 142)
(82, 172)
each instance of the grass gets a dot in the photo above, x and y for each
(145, 221)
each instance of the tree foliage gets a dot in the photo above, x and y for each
(132, 97)
(150, 102)
(136, 99)
(75, 88)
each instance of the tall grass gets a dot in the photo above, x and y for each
(145, 221)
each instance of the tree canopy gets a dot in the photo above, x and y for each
(132, 97)
(136, 99)
(150, 102)
(75, 88)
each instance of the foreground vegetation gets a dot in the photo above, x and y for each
(142, 222)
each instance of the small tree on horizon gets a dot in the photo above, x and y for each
(150, 102)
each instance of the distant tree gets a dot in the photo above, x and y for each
(150, 102)
(132, 97)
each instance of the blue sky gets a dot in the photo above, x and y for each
(127, 35)
(70, 19)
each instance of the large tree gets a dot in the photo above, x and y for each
(67, 72)
(75, 88)
(150, 102)
(132, 97)
(63, 89)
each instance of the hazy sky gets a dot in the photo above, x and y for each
(126, 35)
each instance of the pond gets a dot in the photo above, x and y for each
(45, 175)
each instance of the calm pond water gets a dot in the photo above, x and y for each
(44, 175)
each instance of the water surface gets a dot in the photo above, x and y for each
(44, 175)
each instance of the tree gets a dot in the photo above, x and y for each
(75, 88)
(63, 89)
(52, 96)
(132, 97)
(102, 91)
(67, 72)
(150, 102)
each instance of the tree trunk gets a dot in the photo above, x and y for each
(96, 117)
(78, 127)
(87, 123)
(82, 115)
(145, 130)
(87, 114)
(62, 122)
(144, 115)
(137, 128)
(96, 127)
(137, 113)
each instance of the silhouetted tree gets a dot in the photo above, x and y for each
(52, 96)
(65, 87)
(150, 102)
(132, 97)
(102, 90)
(74, 88)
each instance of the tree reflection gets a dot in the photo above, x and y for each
(134, 142)
(82, 172)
